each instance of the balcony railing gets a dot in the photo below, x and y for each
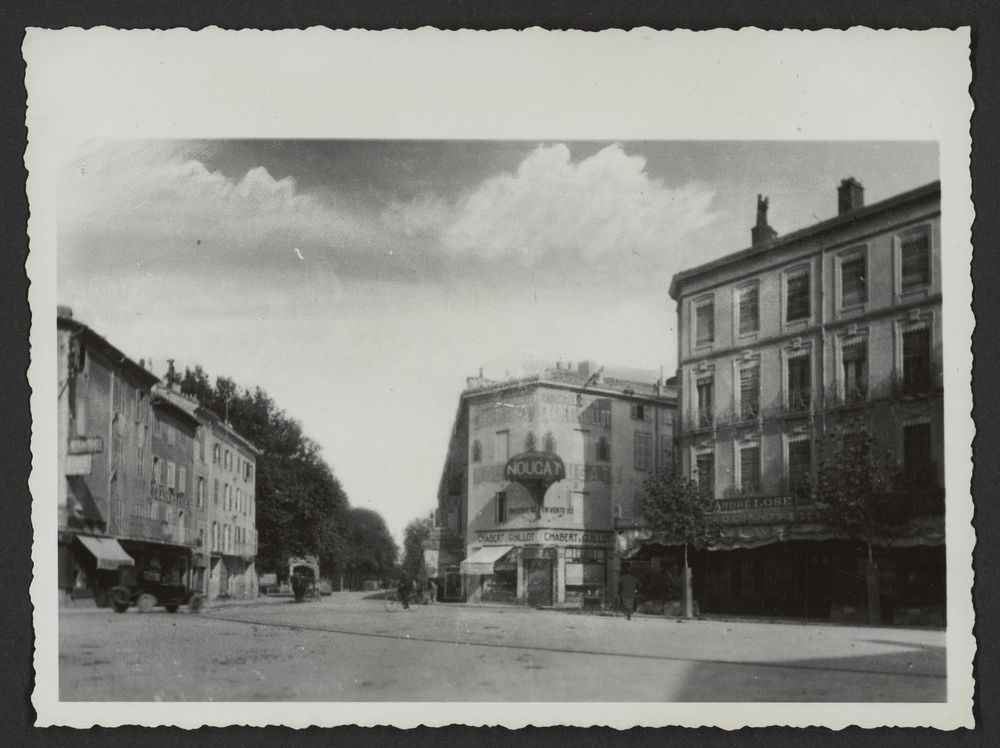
(159, 531)
(915, 382)
(799, 400)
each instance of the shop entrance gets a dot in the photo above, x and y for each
(538, 581)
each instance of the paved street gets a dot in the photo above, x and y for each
(350, 648)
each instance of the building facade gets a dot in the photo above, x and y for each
(591, 440)
(134, 501)
(829, 330)
(230, 475)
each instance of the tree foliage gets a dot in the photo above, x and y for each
(413, 550)
(301, 507)
(677, 508)
(856, 488)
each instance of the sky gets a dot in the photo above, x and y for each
(360, 282)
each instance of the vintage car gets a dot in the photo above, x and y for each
(147, 590)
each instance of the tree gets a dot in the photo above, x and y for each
(677, 509)
(413, 549)
(856, 494)
(369, 548)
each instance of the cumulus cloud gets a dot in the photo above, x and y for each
(151, 202)
(605, 204)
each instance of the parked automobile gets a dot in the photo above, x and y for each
(303, 575)
(147, 591)
(268, 584)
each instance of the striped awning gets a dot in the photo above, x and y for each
(481, 561)
(107, 551)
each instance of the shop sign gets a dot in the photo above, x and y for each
(535, 467)
(86, 445)
(574, 471)
(547, 537)
(753, 503)
(78, 464)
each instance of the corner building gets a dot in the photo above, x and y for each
(830, 329)
(494, 541)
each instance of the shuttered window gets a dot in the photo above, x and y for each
(706, 470)
(916, 360)
(706, 412)
(643, 451)
(853, 284)
(749, 392)
(799, 383)
(797, 300)
(915, 260)
(750, 468)
(705, 323)
(855, 362)
(749, 310)
(800, 468)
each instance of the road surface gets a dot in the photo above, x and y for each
(349, 648)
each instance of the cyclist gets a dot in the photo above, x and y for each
(404, 589)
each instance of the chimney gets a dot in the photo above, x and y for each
(173, 381)
(762, 233)
(850, 196)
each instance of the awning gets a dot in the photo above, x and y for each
(108, 553)
(481, 561)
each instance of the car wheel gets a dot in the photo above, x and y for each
(196, 603)
(120, 599)
(146, 603)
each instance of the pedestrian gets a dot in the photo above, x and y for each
(432, 591)
(628, 588)
(404, 589)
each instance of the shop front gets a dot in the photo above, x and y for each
(89, 565)
(538, 567)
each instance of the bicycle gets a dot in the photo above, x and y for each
(392, 600)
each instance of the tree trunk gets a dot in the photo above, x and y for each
(874, 593)
(686, 585)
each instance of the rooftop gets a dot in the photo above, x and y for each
(586, 376)
(839, 221)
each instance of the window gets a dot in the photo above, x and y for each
(216, 451)
(603, 449)
(749, 309)
(201, 444)
(171, 434)
(229, 460)
(854, 361)
(643, 451)
(853, 283)
(181, 479)
(215, 536)
(201, 492)
(916, 361)
(530, 444)
(140, 406)
(797, 296)
(706, 412)
(750, 468)
(705, 470)
(477, 451)
(215, 492)
(140, 461)
(638, 412)
(550, 442)
(171, 474)
(704, 323)
(749, 392)
(799, 383)
(666, 451)
(502, 507)
(918, 470)
(501, 450)
(800, 468)
(915, 261)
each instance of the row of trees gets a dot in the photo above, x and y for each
(856, 493)
(301, 507)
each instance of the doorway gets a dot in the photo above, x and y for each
(538, 580)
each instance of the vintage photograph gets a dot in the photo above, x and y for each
(448, 419)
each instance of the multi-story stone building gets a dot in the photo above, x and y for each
(126, 454)
(831, 328)
(538, 473)
(230, 475)
(135, 500)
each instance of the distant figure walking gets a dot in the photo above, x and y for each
(628, 587)
(432, 591)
